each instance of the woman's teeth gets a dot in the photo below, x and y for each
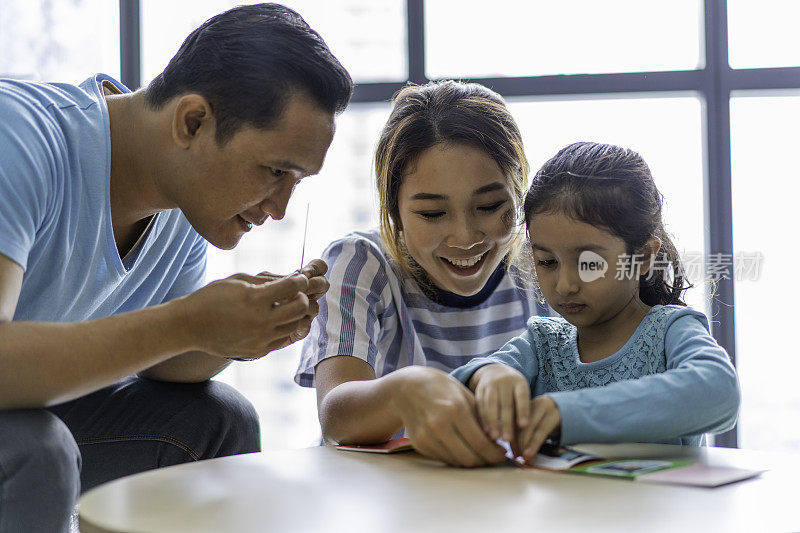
(465, 263)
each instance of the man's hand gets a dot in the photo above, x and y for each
(440, 416)
(237, 318)
(545, 422)
(503, 397)
(318, 285)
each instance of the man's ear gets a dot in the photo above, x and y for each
(191, 113)
(649, 250)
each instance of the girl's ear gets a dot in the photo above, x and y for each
(649, 250)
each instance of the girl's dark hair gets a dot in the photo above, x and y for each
(247, 62)
(612, 187)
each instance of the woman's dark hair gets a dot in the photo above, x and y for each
(612, 187)
(247, 62)
(444, 112)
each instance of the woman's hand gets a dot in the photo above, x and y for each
(545, 422)
(440, 416)
(503, 397)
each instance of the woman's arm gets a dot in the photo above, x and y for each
(353, 405)
(438, 412)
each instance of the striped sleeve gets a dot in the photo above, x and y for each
(350, 313)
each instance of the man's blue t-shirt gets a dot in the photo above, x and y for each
(55, 211)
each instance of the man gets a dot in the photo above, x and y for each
(107, 199)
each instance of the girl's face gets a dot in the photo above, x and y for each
(456, 211)
(570, 257)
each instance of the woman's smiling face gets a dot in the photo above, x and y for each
(456, 211)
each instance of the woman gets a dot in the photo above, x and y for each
(435, 288)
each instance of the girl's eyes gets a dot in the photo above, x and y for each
(546, 263)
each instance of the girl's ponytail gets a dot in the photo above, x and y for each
(666, 281)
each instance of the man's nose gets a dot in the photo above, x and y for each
(275, 204)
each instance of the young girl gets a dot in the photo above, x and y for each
(628, 361)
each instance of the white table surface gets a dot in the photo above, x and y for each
(323, 489)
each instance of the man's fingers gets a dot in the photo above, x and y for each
(314, 268)
(241, 276)
(265, 277)
(285, 288)
(302, 330)
(317, 286)
(291, 311)
(286, 330)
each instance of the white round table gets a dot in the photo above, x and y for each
(323, 489)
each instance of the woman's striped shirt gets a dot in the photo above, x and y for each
(375, 313)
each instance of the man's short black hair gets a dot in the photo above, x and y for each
(247, 62)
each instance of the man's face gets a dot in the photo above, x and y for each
(251, 177)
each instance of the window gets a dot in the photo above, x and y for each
(367, 36)
(763, 34)
(59, 41)
(766, 185)
(473, 38)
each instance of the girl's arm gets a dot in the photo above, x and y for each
(436, 410)
(519, 353)
(501, 383)
(698, 393)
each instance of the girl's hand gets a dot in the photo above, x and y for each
(439, 414)
(545, 422)
(503, 396)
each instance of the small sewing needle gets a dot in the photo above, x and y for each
(305, 234)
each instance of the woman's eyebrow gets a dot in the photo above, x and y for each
(496, 186)
(428, 196)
